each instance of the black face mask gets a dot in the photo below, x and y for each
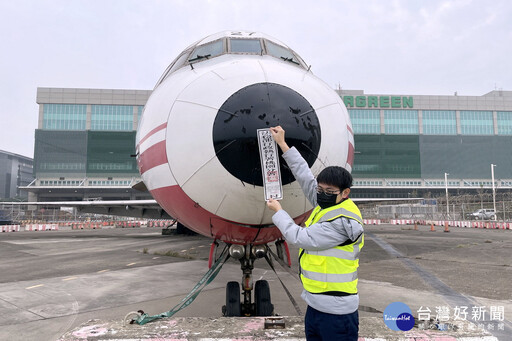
(325, 201)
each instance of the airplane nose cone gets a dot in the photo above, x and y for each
(257, 106)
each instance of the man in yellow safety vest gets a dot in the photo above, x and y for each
(329, 247)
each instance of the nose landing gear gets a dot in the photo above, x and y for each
(262, 305)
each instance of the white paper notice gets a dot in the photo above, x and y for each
(270, 165)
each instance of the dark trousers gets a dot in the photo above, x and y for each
(330, 327)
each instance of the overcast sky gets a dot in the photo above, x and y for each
(382, 47)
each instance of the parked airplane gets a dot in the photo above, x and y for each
(198, 154)
(197, 148)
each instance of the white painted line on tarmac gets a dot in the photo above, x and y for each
(35, 286)
(156, 257)
(103, 270)
(69, 278)
(261, 277)
(131, 264)
(183, 250)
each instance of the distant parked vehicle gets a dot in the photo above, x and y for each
(483, 214)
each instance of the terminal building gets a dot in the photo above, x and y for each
(409, 145)
(15, 172)
(405, 145)
(85, 144)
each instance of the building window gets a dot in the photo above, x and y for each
(404, 183)
(365, 121)
(504, 122)
(439, 122)
(61, 166)
(441, 183)
(478, 183)
(108, 166)
(64, 116)
(401, 122)
(112, 117)
(476, 123)
(109, 183)
(366, 168)
(367, 183)
(60, 182)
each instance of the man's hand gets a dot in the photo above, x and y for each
(274, 205)
(278, 135)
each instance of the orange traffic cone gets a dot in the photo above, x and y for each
(446, 229)
(432, 229)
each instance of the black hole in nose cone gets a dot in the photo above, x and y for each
(257, 106)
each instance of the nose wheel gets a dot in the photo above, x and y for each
(233, 306)
(262, 302)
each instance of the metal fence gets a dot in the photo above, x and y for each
(459, 208)
(33, 214)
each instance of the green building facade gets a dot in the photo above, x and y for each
(85, 144)
(408, 143)
(404, 144)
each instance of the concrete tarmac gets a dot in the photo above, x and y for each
(53, 282)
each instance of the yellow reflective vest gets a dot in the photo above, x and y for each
(332, 271)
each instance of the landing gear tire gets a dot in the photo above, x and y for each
(263, 303)
(232, 307)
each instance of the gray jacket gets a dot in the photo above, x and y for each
(318, 236)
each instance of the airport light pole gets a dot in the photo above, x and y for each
(493, 191)
(446, 187)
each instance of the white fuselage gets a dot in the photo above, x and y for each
(176, 151)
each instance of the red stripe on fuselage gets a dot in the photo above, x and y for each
(179, 205)
(152, 157)
(152, 132)
(350, 155)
